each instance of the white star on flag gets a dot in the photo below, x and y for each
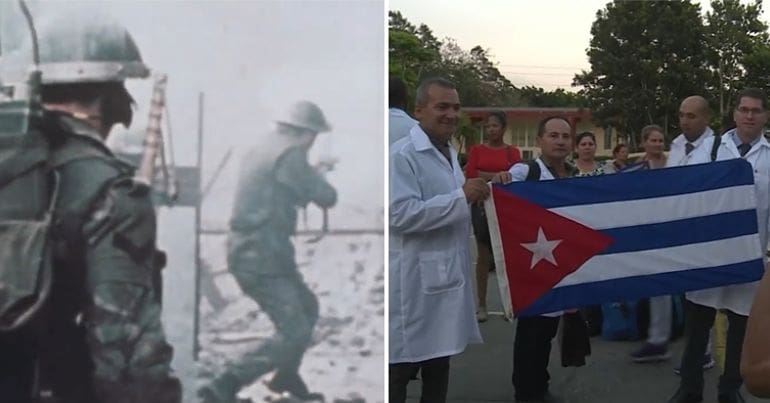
(542, 249)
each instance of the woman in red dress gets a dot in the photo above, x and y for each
(485, 160)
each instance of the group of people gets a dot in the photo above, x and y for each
(433, 315)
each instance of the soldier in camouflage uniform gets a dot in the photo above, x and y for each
(275, 180)
(100, 338)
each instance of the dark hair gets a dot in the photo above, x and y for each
(397, 93)
(618, 147)
(541, 125)
(501, 118)
(115, 101)
(584, 134)
(647, 130)
(755, 93)
(421, 98)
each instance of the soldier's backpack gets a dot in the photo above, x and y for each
(27, 193)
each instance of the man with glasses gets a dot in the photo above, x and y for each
(745, 141)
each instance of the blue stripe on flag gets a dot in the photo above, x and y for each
(631, 288)
(681, 232)
(641, 184)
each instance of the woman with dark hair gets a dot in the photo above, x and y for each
(484, 161)
(585, 147)
(620, 155)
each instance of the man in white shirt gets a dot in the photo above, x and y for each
(399, 122)
(686, 149)
(745, 141)
(431, 305)
(532, 343)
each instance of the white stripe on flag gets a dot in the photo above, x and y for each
(498, 254)
(636, 212)
(655, 261)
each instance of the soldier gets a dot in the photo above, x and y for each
(274, 181)
(99, 338)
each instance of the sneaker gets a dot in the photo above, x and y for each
(481, 314)
(651, 353)
(708, 363)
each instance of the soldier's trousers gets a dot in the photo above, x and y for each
(293, 309)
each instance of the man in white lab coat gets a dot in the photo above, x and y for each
(745, 141)
(688, 148)
(399, 122)
(431, 316)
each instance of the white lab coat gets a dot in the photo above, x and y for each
(431, 307)
(699, 155)
(738, 298)
(399, 125)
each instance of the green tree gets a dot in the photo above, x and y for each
(645, 57)
(397, 22)
(412, 52)
(415, 53)
(757, 65)
(737, 43)
(559, 98)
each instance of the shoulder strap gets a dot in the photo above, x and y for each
(533, 174)
(715, 147)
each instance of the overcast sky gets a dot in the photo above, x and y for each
(539, 43)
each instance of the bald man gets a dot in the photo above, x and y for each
(694, 116)
(686, 149)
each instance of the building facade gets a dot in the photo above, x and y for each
(523, 122)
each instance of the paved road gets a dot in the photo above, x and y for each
(483, 372)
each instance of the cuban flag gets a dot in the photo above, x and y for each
(573, 242)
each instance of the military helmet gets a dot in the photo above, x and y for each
(79, 49)
(306, 115)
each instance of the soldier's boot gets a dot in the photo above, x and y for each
(223, 389)
(293, 384)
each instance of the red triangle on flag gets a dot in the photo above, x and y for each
(540, 247)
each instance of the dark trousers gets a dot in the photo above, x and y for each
(698, 322)
(293, 309)
(435, 380)
(531, 353)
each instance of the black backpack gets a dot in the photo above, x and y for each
(715, 147)
(27, 191)
(533, 174)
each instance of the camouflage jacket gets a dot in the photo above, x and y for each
(104, 227)
(270, 189)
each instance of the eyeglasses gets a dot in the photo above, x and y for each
(754, 111)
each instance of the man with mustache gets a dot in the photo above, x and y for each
(532, 346)
(431, 314)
